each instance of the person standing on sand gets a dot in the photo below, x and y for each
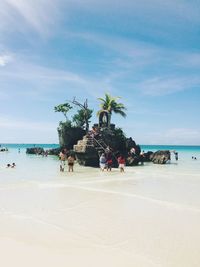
(176, 155)
(109, 164)
(62, 157)
(121, 160)
(102, 162)
(71, 160)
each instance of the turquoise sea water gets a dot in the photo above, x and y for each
(184, 151)
(171, 147)
(24, 146)
(178, 148)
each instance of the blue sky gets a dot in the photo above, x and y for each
(146, 51)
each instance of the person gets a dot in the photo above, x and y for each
(62, 157)
(18, 150)
(142, 157)
(121, 161)
(71, 160)
(13, 165)
(8, 165)
(102, 162)
(176, 155)
(109, 163)
(132, 151)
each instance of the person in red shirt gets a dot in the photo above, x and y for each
(121, 161)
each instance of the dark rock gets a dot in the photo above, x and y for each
(130, 143)
(147, 156)
(160, 157)
(68, 136)
(107, 141)
(133, 160)
(54, 151)
(86, 152)
(35, 150)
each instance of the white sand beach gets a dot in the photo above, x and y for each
(147, 216)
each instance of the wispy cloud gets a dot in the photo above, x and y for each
(14, 123)
(40, 15)
(40, 131)
(178, 136)
(5, 59)
(46, 81)
(182, 9)
(167, 85)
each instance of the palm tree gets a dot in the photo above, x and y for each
(110, 105)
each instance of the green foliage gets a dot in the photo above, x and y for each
(66, 124)
(82, 117)
(119, 133)
(111, 105)
(64, 108)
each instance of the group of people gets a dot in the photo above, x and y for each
(105, 162)
(13, 165)
(68, 159)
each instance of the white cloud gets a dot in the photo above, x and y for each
(5, 59)
(43, 16)
(9, 122)
(176, 136)
(33, 132)
(39, 81)
(40, 15)
(167, 85)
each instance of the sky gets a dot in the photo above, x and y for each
(145, 51)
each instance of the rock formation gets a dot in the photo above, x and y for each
(160, 157)
(107, 141)
(35, 150)
(68, 136)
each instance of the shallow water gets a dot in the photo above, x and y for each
(147, 216)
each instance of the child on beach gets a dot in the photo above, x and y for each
(121, 161)
(71, 160)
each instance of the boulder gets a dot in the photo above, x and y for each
(35, 150)
(133, 161)
(160, 157)
(147, 156)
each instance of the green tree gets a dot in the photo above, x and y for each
(63, 108)
(82, 118)
(111, 105)
(84, 113)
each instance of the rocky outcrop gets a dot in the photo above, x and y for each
(68, 136)
(133, 160)
(160, 157)
(112, 142)
(147, 156)
(35, 150)
(86, 152)
(54, 151)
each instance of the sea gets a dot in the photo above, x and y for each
(147, 216)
